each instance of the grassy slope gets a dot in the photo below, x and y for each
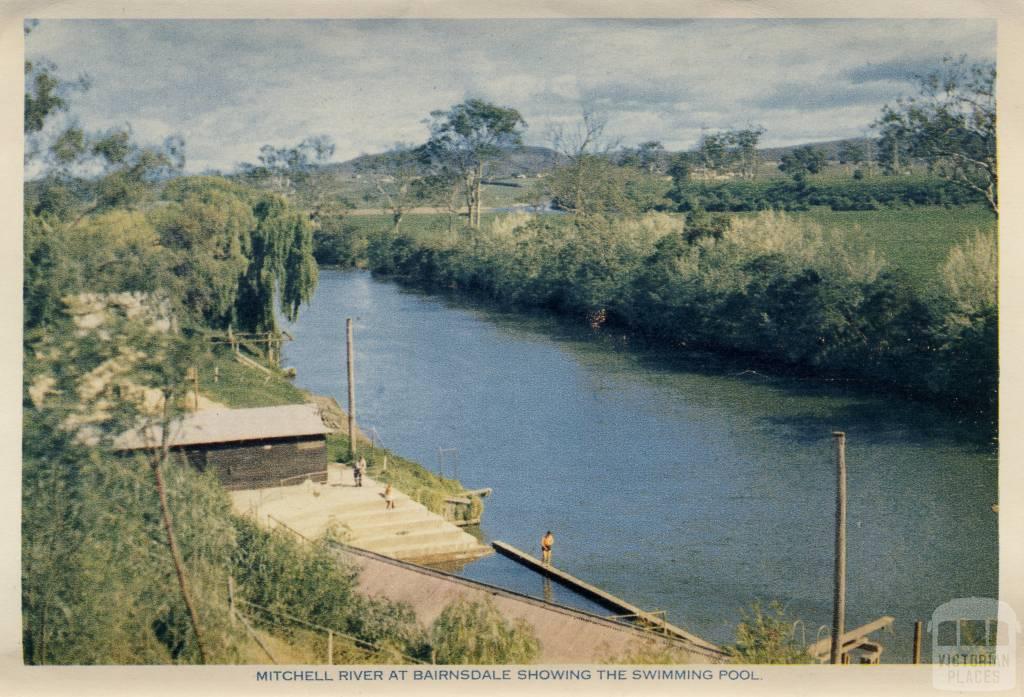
(241, 387)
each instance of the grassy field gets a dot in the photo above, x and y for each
(421, 225)
(917, 240)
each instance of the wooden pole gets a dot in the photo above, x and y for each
(351, 390)
(918, 631)
(231, 598)
(172, 542)
(839, 599)
(330, 647)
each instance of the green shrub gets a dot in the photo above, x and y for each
(765, 635)
(272, 570)
(469, 632)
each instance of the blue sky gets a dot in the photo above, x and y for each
(229, 87)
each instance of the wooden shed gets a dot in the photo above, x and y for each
(248, 448)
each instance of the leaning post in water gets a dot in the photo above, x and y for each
(839, 599)
(350, 351)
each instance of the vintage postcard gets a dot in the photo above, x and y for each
(377, 349)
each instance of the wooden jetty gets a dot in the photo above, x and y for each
(566, 635)
(858, 638)
(454, 502)
(604, 598)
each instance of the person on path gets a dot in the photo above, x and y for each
(389, 498)
(360, 471)
(546, 543)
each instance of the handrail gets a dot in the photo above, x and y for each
(288, 527)
(644, 620)
(849, 639)
(319, 627)
(307, 475)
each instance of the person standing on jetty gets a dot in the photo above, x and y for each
(389, 498)
(546, 543)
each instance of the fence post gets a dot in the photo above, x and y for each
(918, 626)
(330, 647)
(231, 598)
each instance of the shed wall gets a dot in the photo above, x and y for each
(256, 464)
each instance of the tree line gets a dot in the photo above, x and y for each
(947, 128)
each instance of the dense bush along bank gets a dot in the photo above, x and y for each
(840, 194)
(770, 285)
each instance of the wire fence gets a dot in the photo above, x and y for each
(275, 616)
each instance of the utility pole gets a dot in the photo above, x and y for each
(839, 599)
(351, 390)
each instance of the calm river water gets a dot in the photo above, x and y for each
(692, 485)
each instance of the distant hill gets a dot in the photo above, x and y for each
(831, 148)
(533, 159)
(528, 159)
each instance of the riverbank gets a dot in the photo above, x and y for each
(781, 289)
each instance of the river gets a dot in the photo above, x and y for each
(688, 484)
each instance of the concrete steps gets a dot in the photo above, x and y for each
(396, 518)
(387, 530)
(439, 534)
(409, 531)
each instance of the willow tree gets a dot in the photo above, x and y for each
(206, 231)
(280, 262)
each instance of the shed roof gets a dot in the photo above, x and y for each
(230, 426)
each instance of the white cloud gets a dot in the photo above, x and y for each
(230, 86)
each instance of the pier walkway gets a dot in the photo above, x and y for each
(357, 515)
(603, 597)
